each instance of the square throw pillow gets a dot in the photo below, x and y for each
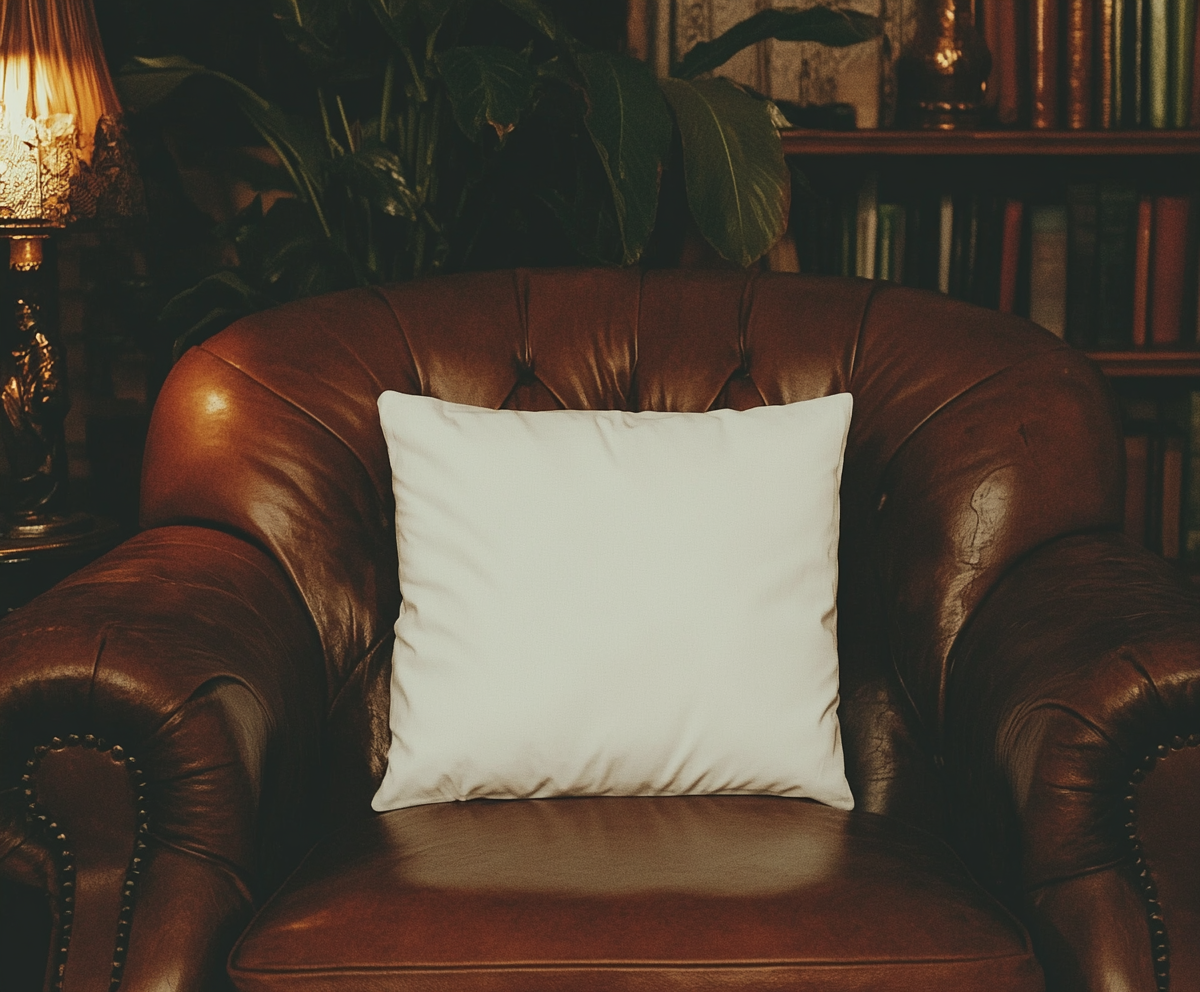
(615, 604)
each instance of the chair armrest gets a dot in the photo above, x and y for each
(160, 713)
(1080, 669)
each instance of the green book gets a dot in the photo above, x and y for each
(1116, 246)
(890, 263)
(1158, 49)
(1135, 63)
(1118, 63)
(1083, 208)
(1182, 31)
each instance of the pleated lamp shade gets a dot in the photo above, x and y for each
(63, 153)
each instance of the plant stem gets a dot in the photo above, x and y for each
(422, 96)
(385, 103)
(334, 147)
(345, 123)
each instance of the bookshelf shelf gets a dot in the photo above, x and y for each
(1148, 364)
(883, 142)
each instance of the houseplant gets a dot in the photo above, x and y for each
(443, 135)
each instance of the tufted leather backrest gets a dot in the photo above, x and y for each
(976, 437)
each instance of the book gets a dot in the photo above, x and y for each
(1194, 109)
(1001, 24)
(1168, 260)
(1078, 68)
(1171, 514)
(1116, 51)
(1083, 206)
(1105, 80)
(1136, 63)
(638, 29)
(890, 264)
(1141, 272)
(921, 239)
(964, 245)
(1182, 31)
(1043, 63)
(989, 239)
(1048, 267)
(663, 40)
(1116, 247)
(867, 227)
(1010, 255)
(1157, 64)
(945, 242)
(1137, 469)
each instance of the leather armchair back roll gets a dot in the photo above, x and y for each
(274, 435)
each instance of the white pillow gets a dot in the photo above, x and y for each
(615, 604)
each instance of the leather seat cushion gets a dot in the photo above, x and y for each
(713, 892)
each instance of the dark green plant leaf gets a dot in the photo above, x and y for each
(737, 181)
(208, 307)
(630, 126)
(486, 86)
(311, 27)
(542, 19)
(377, 174)
(396, 17)
(828, 25)
(144, 82)
(304, 155)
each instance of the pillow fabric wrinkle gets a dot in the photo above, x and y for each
(612, 603)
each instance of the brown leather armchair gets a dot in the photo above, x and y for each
(183, 720)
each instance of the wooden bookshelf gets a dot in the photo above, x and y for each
(1148, 364)
(883, 142)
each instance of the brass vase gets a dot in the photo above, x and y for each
(943, 72)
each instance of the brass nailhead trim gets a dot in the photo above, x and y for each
(1160, 948)
(60, 848)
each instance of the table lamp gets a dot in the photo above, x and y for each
(63, 157)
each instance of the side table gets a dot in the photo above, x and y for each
(31, 565)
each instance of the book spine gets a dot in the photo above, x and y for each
(868, 227)
(1192, 503)
(1171, 517)
(1182, 32)
(885, 255)
(1137, 67)
(1079, 64)
(638, 28)
(1082, 209)
(1010, 255)
(1141, 271)
(989, 240)
(1048, 268)
(1157, 95)
(1137, 467)
(663, 38)
(1115, 265)
(1103, 59)
(1043, 63)
(945, 242)
(988, 22)
(1194, 110)
(1117, 58)
(1168, 269)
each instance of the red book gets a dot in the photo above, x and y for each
(1043, 62)
(1105, 83)
(1079, 64)
(1168, 259)
(1141, 270)
(1137, 462)
(1010, 254)
(1000, 28)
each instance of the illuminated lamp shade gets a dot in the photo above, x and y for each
(63, 154)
